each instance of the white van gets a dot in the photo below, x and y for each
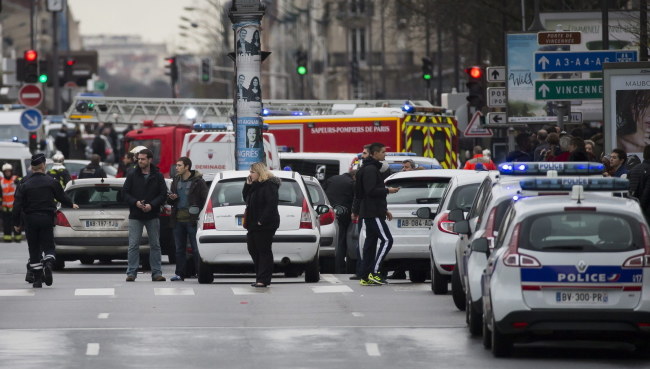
(320, 165)
(17, 155)
(10, 127)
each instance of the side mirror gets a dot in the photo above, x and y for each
(462, 227)
(424, 213)
(322, 209)
(456, 215)
(480, 245)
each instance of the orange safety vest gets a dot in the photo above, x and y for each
(8, 191)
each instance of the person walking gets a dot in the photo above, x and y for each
(477, 159)
(340, 191)
(93, 169)
(145, 191)
(373, 210)
(34, 201)
(187, 197)
(9, 185)
(58, 171)
(261, 219)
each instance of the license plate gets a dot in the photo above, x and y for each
(101, 223)
(581, 297)
(240, 220)
(413, 223)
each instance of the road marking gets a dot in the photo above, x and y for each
(331, 289)
(102, 316)
(357, 314)
(372, 349)
(94, 292)
(411, 287)
(92, 349)
(4, 293)
(249, 290)
(330, 278)
(182, 291)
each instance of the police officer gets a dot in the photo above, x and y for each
(35, 199)
(9, 183)
(58, 171)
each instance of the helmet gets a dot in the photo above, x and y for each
(58, 158)
(7, 166)
(137, 149)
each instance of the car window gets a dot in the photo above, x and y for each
(417, 190)
(321, 169)
(483, 197)
(97, 197)
(463, 197)
(315, 193)
(228, 192)
(510, 215)
(586, 231)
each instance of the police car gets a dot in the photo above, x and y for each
(569, 266)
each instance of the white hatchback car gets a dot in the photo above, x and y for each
(221, 237)
(329, 226)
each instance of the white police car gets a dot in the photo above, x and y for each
(568, 266)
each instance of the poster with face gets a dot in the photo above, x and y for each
(248, 42)
(250, 147)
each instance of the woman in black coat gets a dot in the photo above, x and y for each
(262, 219)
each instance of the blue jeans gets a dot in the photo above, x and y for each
(155, 255)
(183, 230)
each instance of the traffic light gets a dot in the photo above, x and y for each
(206, 70)
(427, 69)
(301, 63)
(30, 66)
(68, 67)
(475, 86)
(172, 69)
(33, 142)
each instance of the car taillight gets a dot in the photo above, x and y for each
(446, 225)
(643, 260)
(513, 258)
(305, 216)
(61, 220)
(327, 218)
(208, 217)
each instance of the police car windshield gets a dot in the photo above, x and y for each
(417, 190)
(587, 231)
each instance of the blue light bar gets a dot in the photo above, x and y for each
(567, 183)
(408, 108)
(397, 167)
(265, 112)
(212, 126)
(537, 168)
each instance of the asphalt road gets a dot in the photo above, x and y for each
(92, 318)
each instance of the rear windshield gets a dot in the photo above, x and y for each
(417, 190)
(228, 193)
(463, 197)
(316, 193)
(581, 231)
(320, 169)
(97, 197)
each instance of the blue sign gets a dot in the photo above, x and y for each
(580, 61)
(250, 146)
(31, 119)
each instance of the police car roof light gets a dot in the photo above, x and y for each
(567, 184)
(537, 168)
(408, 108)
(577, 192)
(212, 126)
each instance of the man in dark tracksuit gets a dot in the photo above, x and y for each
(340, 191)
(373, 209)
(35, 199)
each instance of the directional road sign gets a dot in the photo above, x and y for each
(30, 95)
(474, 128)
(31, 119)
(559, 38)
(496, 118)
(568, 89)
(496, 97)
(496, 74)
(580, 61)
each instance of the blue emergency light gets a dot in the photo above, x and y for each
(567, 183)
(537, 168)
(408, 108)
(212, 126)
(283, 113)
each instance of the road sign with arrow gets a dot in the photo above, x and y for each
(496, 74)
(569, 89)
(496, 118)
(580, 61)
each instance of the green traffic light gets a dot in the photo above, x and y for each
(42, 78)
(426, 76)
(302, 70)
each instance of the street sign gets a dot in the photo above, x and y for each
(569, 89)
(575, 117)
(580, 61)
(30, 95)
(496, 74)
(474, 128)
(31, 119)
(496, 118)
(559, 38)
(496, 97)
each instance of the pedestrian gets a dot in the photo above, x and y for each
(77, 145)
(9, 185)
(187, 197)
(145, 191)
(355, 220)
(617, 160)
(638, 176)
(93, 169)
(373, 210)
(478, 158)
(124, 165)
(565, 149)
(261, 219)
(99, 145)
(34, 201)
(340, 191)
(523, 152)
(58, 170)
(542, 135)
(62, 140)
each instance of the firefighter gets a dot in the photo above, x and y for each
(58, 171)
(35, 204)
(9, 185)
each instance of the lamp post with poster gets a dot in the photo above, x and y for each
(246, 16)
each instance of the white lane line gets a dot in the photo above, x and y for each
(182, 291)
(357, 314)
(330, 278)
(411, 287)
(331, 289)
(102, 316)
(372, 349)
(249, 290)
(94, 292)
(7, 293)
(92, 349)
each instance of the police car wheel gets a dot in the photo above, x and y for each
(487, 335)
(439, 283)
(474, 320)
(312, 273)
(501, 343)
(457, 292)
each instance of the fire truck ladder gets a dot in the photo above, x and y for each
(132, 110)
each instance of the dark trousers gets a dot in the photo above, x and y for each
(259, 247)
(183, 231)
(357, 252)
(7, 223)
(342, 244)
(376, 230)
(39, 229)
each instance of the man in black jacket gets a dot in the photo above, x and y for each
(93, 169)
(145, 191)
(187, 197)
(340, 191)
(35, 200)
(373, 210)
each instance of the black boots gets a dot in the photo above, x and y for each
(29, 277)
(48, 266)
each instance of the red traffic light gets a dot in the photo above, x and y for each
(70, 62)
(474, 72)
(32, 136)
(30, 55)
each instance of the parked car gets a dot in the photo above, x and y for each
(329, 226)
